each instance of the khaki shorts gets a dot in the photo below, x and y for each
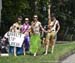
(51, 35)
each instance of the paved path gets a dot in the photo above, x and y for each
(70, 59)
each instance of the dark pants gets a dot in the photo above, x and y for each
(26, 42)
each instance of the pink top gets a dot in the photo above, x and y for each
(25, 29)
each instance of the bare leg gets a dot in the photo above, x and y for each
(15, 51)
(24, 49)
(52, 49)
(52, 45)
(47, 46)
(43, 42)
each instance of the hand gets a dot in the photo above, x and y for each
(49, 31)
(46, 31)
(3, 39)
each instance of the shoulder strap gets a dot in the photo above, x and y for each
(26, 28)
(54, 23)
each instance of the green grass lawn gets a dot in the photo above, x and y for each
(60, 50)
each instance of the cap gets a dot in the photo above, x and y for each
(26, 19)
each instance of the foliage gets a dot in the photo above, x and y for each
(63, 9)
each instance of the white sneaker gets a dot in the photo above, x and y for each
(45, 53)
(34, 54)
(52, 52)
(24, 54)
(15, 55)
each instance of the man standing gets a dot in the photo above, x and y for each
(16, 27)
(35, 40)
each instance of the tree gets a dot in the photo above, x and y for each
(63, 9)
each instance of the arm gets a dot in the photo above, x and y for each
(42, 28)
(30, 30)
(22, 29)
(58, 27)
(12, 27)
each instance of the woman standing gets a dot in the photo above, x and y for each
(53, 29)
(25, 30)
